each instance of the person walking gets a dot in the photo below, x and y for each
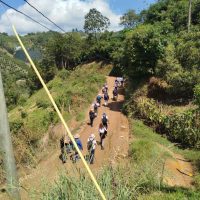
(115, 94)
(80, 146)
(106, 98)
(104, 120)
(91, 116)
(98, 99)
(95, 106)
(91, 146)
(102, 134)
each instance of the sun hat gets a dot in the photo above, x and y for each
(92, 136)
(77, 136)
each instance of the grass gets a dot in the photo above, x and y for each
(139, 177)
(73, 92)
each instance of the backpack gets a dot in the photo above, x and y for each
(106, 97)
(104, 120)
(115, 92)
(89, 145)
(99, 98)
(92, 115)
(95, 106)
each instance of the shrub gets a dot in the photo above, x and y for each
(197, 95)
(42, 103)
(183, 127)
(157, 88)
(16, 125)
(23, 114)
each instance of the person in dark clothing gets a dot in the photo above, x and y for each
(104, 120)
(91, 116)
(106, 98)
(115, 94)
(95, 106)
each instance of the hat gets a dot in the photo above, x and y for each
(77, 136)
(92, 136)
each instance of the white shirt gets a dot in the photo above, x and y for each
(102, 130)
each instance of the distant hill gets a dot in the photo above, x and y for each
(15, 77)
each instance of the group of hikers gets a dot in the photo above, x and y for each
(67, 146)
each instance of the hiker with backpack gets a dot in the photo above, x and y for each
(95, 106)
(102, 134)
(115, 94)
(75, 157)
(98, 99)
(103, 90)
(91, 116)
(104, 120)
(66, 147)
(91, 146)
(106, 87)
(106, 98)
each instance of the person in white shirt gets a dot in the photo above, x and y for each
(102, 134)
(91, 146)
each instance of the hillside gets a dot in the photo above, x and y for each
(152, 146)
(15, 78)
(72, 93)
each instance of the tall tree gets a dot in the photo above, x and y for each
(95, 22)
(129, 19)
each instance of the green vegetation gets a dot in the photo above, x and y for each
(15, 79)
(72, 94)
(159, 58)
(140, 177)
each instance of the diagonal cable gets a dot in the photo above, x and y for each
(44, 16)
(25, 15)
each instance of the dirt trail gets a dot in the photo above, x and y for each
(116, 144)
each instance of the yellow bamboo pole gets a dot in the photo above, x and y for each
(60, 115)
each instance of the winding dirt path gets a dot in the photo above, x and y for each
(116, 145)
(176, 169)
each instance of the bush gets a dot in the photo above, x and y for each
(40, 103)
(157, 88)
(24, 114)
(197, 95)
(183, 128)
(16, 125)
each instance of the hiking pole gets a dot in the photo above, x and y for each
(7, 149)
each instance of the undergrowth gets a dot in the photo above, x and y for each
(73, 91)
(139, 177)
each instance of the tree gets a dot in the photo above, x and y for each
(95, 22)
(129, 19)
(63, 51)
